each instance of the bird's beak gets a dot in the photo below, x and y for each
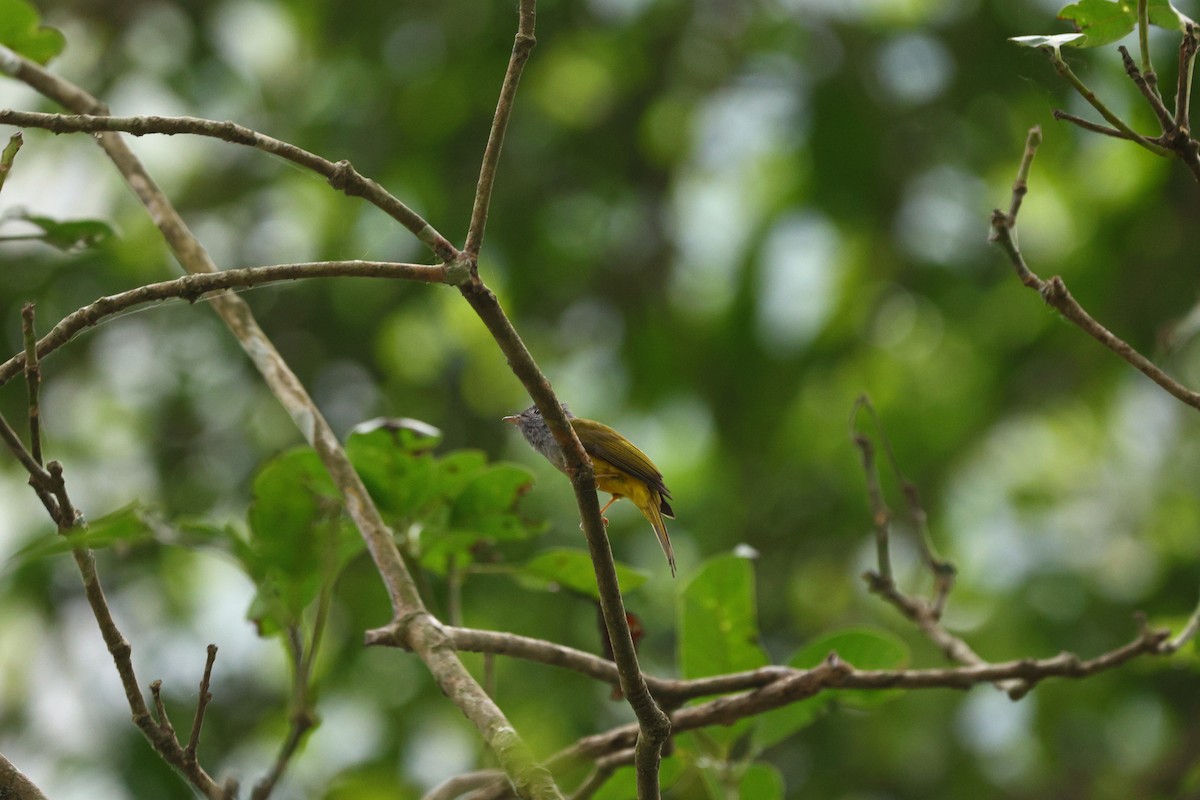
(513, 420)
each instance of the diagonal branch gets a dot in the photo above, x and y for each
(1188, 47)
(14, 785)
(1147, 84)
(491, 155)
(1054, 291)
(654, 724)
(1087, 124)
(413, 622)
(1087, 94)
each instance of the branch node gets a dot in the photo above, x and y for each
(462, 269)
(345, 178)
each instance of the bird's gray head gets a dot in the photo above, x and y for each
(537, 433)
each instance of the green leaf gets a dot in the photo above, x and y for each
(623, 784)
(762, 782)
(780, 723)
(1164, 14)
(572, 570)
(444, 507)
(298, 538)
(71, 235)
(126, 525)
(496, 488)
(718, 626)
(21, 30)
(9, 155)
(478, 505)
(1106, 21)
(394, 464)
(1101, 21)
(458, 469)
(718, 629)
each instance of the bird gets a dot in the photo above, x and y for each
(621, 468)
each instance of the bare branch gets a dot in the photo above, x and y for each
(201, 286)
(33, 380)
(412, 621)
(1183, 89)
(1187, 634)
(201, 704)
(14, 785)
(880, 514)
(654, 724)
(341, 175)
(491, 155)
(1087, 94)
(1147, 84)
(1150, 79)
(1088, 125)
(38, 477)
(835, 675)
(1054, 292)
(164, 721)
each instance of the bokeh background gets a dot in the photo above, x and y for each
(715, 225)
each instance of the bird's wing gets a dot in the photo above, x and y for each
(603, 442)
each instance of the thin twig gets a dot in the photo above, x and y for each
(161, 737)
(943, 572)
(1087, 124)
(1148, 86)
(1144, 48)
(33, 380)
(1066, 72)
(302, 722)
(202, 285)
(38, 477)
(201, 705)
(164, 721)
(1020, 186)
(1187, 634)
(1183, 88)
(881, 516)
(341, 174)
(1054, 292)
(926, 619)
(522, 46)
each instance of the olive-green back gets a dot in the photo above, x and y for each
(603, 442)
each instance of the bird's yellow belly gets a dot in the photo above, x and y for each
(619, 484)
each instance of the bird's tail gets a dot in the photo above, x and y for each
(654, 514)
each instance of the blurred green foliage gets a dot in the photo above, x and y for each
(715, 225)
